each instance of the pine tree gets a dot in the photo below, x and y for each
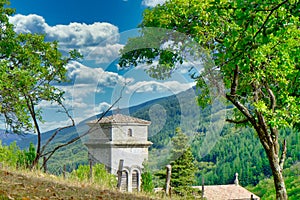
(183, 166)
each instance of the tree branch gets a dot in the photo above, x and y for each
(50, 153)
(263, 137)
(283, 155)
(241, 107)
(269, 15)
(272, 98)
(237, 121)
(59, 129)
(235, 79)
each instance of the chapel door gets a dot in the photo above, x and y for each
(124, 181)
(135, 181)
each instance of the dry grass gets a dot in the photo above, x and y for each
(26, 185)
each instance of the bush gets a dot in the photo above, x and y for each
(26, 158)
(100, 175)
(147, 184)
(14, 157)
(9, 154)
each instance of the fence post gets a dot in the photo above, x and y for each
(64, 172)
(168, 180)
(202, 193)
(121, 162)
(45, 164)
(91, 170)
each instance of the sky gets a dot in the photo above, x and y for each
(98, 29)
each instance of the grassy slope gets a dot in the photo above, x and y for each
(30, 185)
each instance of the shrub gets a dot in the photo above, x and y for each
(100, 175)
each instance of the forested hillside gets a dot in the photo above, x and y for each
(237, 150)
(266, 190)
(240, 151)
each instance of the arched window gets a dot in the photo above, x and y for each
(129, 132)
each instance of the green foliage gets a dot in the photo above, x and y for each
(26, 158)
(147, 179)
(9, 154)
(183, 166)
(30, 69)
(14, 157)
(255, 48)
(147, 183)
(100, 175)
(82, 173)
(183, 173)
(237, 150)
(266, 190)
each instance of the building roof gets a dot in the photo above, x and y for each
(121, 119)
(226, 192)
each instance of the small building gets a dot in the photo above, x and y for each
(227, 192)
(120, 138)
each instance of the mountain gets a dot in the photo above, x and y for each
(220, 149)
(7, 137)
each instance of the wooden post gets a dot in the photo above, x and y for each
(121, 162)
(64, 172)
(45, 164)
(168, 180)
(91, 170)
(202, 193)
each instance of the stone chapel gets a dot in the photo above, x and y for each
(120, 137)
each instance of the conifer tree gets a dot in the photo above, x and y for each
(183, 166)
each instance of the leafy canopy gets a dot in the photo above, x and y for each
(255, 46)
(30, 70)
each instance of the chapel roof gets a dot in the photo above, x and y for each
(121, 119)
(227, 192)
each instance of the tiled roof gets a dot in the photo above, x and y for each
(226, 192)
(119, 118)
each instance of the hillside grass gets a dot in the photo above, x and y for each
(25, 185)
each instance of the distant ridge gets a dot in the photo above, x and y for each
(7, 137)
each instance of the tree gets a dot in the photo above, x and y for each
(183, 165)
(182, 162)
(255, 47)
(147, 182)
(30, 70)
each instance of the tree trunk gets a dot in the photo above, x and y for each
(281, 193)
(30, 106)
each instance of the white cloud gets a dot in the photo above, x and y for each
(161, 87)
(96, 77)
(97, 41)
(29, 24)
(86, 83)
(102, 54)
(50, 125)
(80, 34)
(102, 107)
(153, 3)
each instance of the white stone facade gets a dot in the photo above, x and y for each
(120, 137)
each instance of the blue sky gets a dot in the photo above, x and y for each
(98, 29)
(125, 14)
